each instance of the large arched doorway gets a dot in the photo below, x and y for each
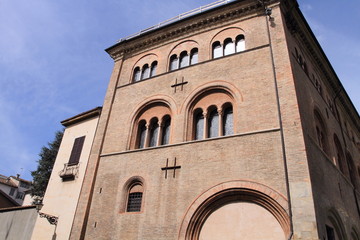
(237, 210)
(241, 220)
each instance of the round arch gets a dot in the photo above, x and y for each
(157, 100)
(230, 192)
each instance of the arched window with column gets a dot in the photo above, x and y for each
(213, 123)
(240, 43)
(194, 56)
(154, 132)
(152, 126)
(137, 74)
(145, 72)
(174, 62)
(320, 129)
(184, 59)
(166, 122)
(153, 69)
(199, 124)
(141, 134)
(211, 115)
(228, 121)
(217, 50)
(229, 47)
(339, 154)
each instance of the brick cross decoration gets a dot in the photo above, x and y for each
(166, 168)
(180, 84)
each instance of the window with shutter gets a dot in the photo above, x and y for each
(76, 151)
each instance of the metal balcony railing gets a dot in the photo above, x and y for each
(179, 17)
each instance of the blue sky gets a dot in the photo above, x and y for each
(52, 63)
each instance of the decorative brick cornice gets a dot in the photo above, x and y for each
(188, 26)
(298, 27)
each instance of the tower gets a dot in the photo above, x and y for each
(227, 122)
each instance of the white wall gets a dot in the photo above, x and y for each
(61, 197)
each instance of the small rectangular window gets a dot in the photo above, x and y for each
(12, 191)
(76, 150)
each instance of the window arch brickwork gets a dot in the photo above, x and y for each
(183, 55)
(211, 115)
(133, 195)
(152, 126)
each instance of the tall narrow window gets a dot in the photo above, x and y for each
(166, 131)
(330, 233)
(76, 150)
(213, 124)
(194, 56)
(199, 125)
(174, 62)
(320, 132)
(137, 74)
(228, 124)
(145, 72)
(154, 132)
(153, 69)
(240, 43)
(135, 198)
(229, 47)
(184, 59)
(217, 50)
(141, 134)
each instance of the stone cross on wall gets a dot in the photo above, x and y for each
(180, 84)
(167, 167)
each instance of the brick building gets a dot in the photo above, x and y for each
(227, 122)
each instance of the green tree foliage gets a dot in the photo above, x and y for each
(45, 165)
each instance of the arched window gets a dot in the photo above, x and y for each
(184, 59)
(240, 43)
(228, 122)
(217, 50)
(339, 154)
(213, 124)
(137, 74)
(145, 72)
(154, 132)
(320, 132)
(135, 197)
(199, 125)
(229, 47)
(141, 134)
(153, 69)
(166, 130)
(173, 62)
(194, 56)
(352, 169)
